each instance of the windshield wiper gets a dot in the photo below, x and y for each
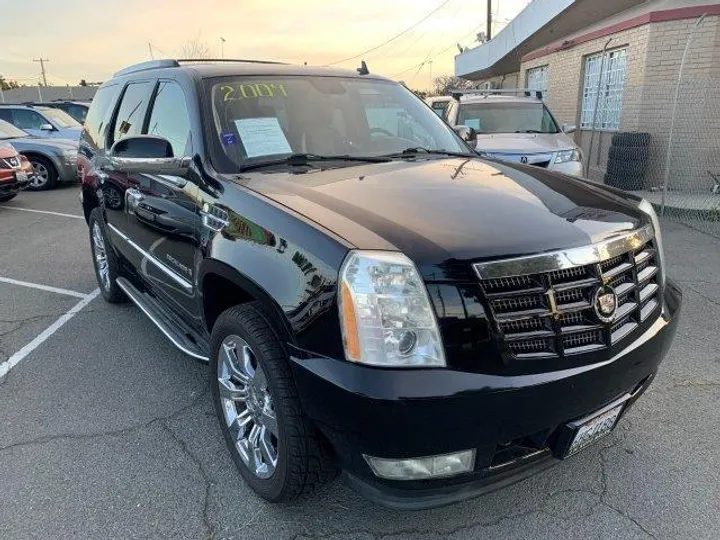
(529, 131)
(306, 159)
(412, 152)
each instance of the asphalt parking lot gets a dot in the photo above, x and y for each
(107, 431)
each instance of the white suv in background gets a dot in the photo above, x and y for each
(512, 128)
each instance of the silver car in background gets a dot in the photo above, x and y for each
(512, 128)
(53, 160)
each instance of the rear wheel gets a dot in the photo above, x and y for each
(6, 198)
(274, 446)
(105, 261)
(44, 176)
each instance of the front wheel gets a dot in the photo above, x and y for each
(274, 446)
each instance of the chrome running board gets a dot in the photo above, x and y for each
(182, 336)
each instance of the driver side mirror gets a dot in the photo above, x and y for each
(467, 134)
(146, 154)
(568, 128)
(47, 127)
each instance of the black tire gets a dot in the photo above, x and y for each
(6, 198)
(45, 164)
(630, 138)
(109, 288)
(624, 181)
(303, 461)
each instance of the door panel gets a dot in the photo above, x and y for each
(163, 221)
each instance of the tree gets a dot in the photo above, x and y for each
(7, 84)
(443, 84)
(195, 49)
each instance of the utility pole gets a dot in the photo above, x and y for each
(42, 67)
(488, 29)
(152, 56)
(222, 47)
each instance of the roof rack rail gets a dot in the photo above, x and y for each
(241, 60)
(528, 92)
(150, 64)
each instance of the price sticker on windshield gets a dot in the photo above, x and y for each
(241, 91)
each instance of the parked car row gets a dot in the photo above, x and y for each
(47, 137)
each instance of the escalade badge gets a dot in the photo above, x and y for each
(605, 303)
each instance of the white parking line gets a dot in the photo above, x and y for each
(74, 216)
(42, 287)
(16, 358)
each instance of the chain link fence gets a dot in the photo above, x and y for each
(667, 146)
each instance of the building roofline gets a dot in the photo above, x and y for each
(675, 14)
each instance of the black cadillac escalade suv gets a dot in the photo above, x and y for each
(370, 295)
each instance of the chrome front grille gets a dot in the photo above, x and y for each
(547, 308)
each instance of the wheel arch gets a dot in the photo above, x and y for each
(47, 157)
(221, 287)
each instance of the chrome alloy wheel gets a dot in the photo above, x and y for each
(40, 175)
(248, 406)
(101, 260)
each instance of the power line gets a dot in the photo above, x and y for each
(425, 18)
(427, 59)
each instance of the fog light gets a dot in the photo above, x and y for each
(426, 467)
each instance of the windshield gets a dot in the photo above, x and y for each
(8, 131)
(523, 117)
(261, 118)
(61, 118)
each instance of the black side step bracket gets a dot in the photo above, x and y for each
(181, 335)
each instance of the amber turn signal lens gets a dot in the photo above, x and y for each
(352, 342)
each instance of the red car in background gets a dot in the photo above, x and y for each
(15, 172)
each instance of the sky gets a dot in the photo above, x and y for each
(91, 39)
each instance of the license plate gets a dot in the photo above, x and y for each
(21, 176)
(589, 430)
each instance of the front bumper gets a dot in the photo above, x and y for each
(11, 187)
(511, 421)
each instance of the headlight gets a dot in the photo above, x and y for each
(646, 208)
(385, 312)
(566, 156)
(70, 155)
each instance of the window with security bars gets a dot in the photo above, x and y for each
(537, 79)
(611, 87)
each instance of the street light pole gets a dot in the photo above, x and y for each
(222, 47)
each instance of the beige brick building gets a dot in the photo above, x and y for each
(637, 77)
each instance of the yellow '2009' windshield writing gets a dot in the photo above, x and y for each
(240, 91)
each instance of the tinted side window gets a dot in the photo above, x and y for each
(132, 110)
(6, 114)
(27, 119)
(169, 117)
(99, 113)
